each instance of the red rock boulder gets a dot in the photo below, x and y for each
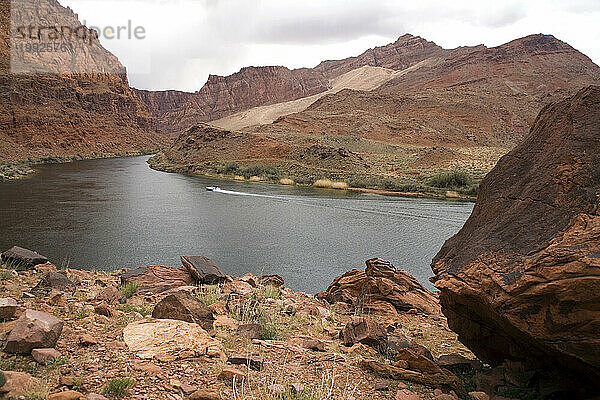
(381, 289)
(521, 280)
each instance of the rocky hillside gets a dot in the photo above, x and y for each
(520, 281)
(260, 86)
(195, 333)
(470, 96)
(63, 103)
(405, 118)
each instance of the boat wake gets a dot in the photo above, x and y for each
(407, 212)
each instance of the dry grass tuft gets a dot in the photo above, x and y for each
(323, 183)
(339, 185)
(255, 179)
(286, 181)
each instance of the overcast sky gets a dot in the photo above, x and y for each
(186, 40)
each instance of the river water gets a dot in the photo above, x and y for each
(116, 213)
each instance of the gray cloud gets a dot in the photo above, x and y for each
(189, 39)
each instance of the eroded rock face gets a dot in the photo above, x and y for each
(521, 280)
(382, 289)
(34, 329)
(78, 102)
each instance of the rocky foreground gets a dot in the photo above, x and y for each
(194, 332)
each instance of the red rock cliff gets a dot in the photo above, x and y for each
(76, 103)
(521, 280)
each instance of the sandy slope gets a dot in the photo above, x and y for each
(364, 78)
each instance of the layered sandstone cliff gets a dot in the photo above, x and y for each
(521, 280)
(64, 103)
(471, 96)
(225, 95)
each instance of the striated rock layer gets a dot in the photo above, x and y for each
(65, 103)
(382, 289)
(225, 95)
(521, 280)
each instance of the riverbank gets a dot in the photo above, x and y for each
(21, 169)
(286, 176)
(240, 337)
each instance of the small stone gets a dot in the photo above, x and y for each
(67, 395)
(34, 329)
(444, 396)
(205, 394)
(250, 331)
(405, 394)
(237, 287)
(230, 375)
(382, 386)
(55, 280)
(95, 396)
(313, 344)
(8, 308)
(67, 380)
(42, 356)
(187, 389)
(87, 340)
(15, 384)
(479, 396)
(253, 362)
(183, 306)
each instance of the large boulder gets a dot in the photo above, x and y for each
(521, 280)
(23, 258)
(157, 279)
(55, 280)
(166, 339)
(33, 330)
(111, 295)
(366, 331)
(184, 307)
(14, 385)
(203, 270)
(381, 289)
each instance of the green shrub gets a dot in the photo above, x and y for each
(272, 330)
(249, 312)
(272, 292)
(5, 274)
(57, 362)
(129, 289)
(118, 387)
(209, 294)
(81, 313)
(456, 179)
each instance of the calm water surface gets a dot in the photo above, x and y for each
(117, 213)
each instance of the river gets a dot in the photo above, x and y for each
(115, 213)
